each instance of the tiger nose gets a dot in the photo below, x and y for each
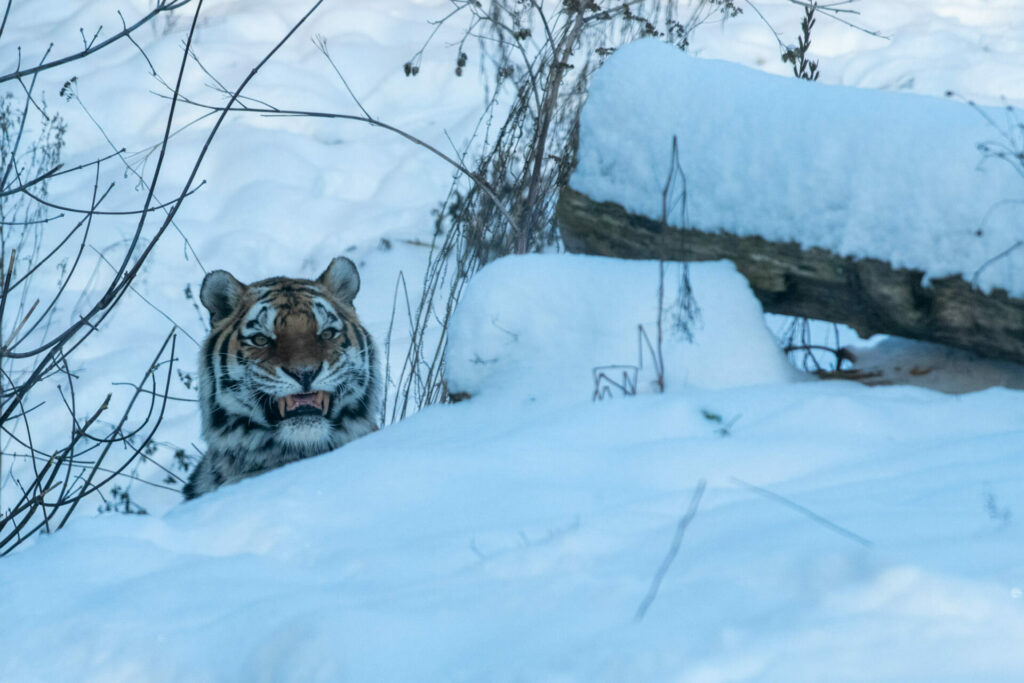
(304, 375)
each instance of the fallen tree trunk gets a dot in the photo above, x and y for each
(867, 294)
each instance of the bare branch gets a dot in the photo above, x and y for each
(476, 178)
(161, 7)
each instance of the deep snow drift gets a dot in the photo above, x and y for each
(513, 537)
(863, 173)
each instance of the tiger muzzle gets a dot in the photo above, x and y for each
(309, 403)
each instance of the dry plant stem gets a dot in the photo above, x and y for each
(31, 503)
(659, 357)
(119, 153)
(21, 130)
(149, 303)
(673, 550)
(5, 288)
(7, 11)
(454, 258)
(8, 352)
(399, 282)
(810, 514)
(131, 212)
(273, 111)
(86, 464)
(69, 499)
(520, 166)
(831, 10)
(560, 56)
(86, 490)
(160, 8)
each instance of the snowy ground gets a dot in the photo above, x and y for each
(513, 536)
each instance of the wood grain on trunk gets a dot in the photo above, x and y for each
(867, 294)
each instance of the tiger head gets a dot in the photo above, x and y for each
(287, 368)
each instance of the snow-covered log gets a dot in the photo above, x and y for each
(867, 294)
(884, 211)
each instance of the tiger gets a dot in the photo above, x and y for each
(287, 372)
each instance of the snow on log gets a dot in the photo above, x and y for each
(874, 209)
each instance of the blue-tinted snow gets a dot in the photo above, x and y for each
(864, 173)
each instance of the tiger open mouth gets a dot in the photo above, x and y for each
(311, 403)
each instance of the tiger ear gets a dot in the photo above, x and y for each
(220, 294)
(341, 278)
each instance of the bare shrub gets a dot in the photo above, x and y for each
(539, 63)
(40, 329)
(538, 58)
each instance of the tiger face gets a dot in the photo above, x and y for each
(287, 372)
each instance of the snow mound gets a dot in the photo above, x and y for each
(542, 325)
(892, 176)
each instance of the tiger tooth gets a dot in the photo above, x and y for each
(325, 401)
(280, 406)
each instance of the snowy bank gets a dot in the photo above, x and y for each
(502, 539)
(863, 173)
(539, 326)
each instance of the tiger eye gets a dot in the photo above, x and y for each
(259, 340)
(328, 334)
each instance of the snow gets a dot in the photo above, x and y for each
(926, 47)
(504, 538)
(521, 328)
(863, 173)
(512, 536)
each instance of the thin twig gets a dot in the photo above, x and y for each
(673, 550)
(321, 44)
(810, 514)
(149, 303)
(476, 178)
(90, 49)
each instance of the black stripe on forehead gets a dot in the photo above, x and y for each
(260, 319)
(285, 302)
(328, 315)
(288, 297)
(292, 291)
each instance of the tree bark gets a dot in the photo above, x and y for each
(867, 294)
